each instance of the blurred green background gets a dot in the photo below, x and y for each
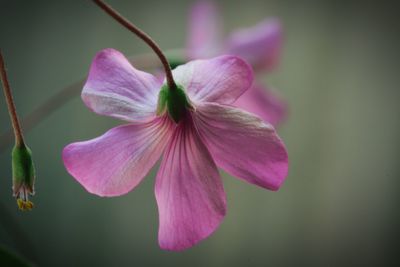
(339, 74)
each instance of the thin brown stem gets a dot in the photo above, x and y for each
(142, 35)
(19, 139)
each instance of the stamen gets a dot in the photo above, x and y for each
(23, 201)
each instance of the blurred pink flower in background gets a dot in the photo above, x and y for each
(209, 133)
(260, 46)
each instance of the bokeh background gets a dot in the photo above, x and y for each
(339, 75)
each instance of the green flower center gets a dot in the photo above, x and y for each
(174, 101)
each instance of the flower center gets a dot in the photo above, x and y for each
(174, 101)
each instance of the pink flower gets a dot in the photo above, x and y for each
(260, 46)
(195, 137)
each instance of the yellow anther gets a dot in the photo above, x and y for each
(24, 205)
(20, 203)
(29, 205)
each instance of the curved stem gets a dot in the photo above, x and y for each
(142, 35)
(19, 139)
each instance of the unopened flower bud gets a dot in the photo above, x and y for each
(23, 176)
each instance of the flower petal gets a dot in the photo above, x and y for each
(189, 191)
(259, 45)
(264, 103)
(204, 31)
(243, 144)
(115, 88)
(222, 79)
(114, 163)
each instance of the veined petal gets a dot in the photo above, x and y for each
(204, 31)
(242, 144)
(222, 79)
(115, 88)
(189, 191)
(114, 163)
(264, 103)
(259, 45)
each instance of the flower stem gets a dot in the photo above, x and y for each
(142, 35)
(19, 139)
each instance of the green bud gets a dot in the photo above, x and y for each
(174, 101)
(23, 176)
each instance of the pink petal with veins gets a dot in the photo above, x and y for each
(221, 79)
(243, 145)
(189, 192)
(115, 88)
(114, 163)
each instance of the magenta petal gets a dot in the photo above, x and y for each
(243, 145)
(262, 102)
(189, 191)
(115, 88)
(222, 79)
(259, 45)
(114, 163)
(204, 31)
